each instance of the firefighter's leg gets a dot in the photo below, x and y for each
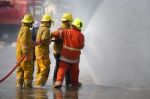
(74, 70)
(67, 77)
(44, 65)
(57, 57)
(28, 68)
(63, 66)
(37, 70)
(19, 77)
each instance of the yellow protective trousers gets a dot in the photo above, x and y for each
(42, 71)
(24, 73)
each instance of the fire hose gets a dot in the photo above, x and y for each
(17, 64)
(20, 60)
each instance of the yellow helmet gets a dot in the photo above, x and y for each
(46, 18)
(67, 16)
(78, 23)
(28, 18)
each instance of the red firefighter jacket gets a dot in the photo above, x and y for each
(73, 42)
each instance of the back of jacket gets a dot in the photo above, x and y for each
(24, 42)
(73, 42)
(43, 35)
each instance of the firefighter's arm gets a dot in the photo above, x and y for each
(45, 38)
(57, 34)
(24, 43)
(54, 34)
(82, 42)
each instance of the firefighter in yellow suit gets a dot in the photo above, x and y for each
(24, 73)
(42, 51)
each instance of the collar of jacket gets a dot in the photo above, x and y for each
(25, 25)
(44, 25)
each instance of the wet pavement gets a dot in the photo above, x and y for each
(89, 90)
(85, 92)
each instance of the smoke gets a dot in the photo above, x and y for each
(117, 44)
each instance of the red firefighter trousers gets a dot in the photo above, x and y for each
(74, 72)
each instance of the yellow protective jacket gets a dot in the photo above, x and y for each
(43, 36)
(24, 43)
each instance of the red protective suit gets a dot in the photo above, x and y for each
(73, 42)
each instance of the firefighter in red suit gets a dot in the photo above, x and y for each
(73, 42)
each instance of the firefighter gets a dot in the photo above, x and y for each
(66, 21)
(24, 73)
(73, 42)
(42, 51)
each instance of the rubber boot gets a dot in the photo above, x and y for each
(19, 85)
(57, 84)
(79, 84)
(28, 85)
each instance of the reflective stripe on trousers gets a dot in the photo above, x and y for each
(69, 60)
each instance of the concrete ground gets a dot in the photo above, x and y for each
(89, 90)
